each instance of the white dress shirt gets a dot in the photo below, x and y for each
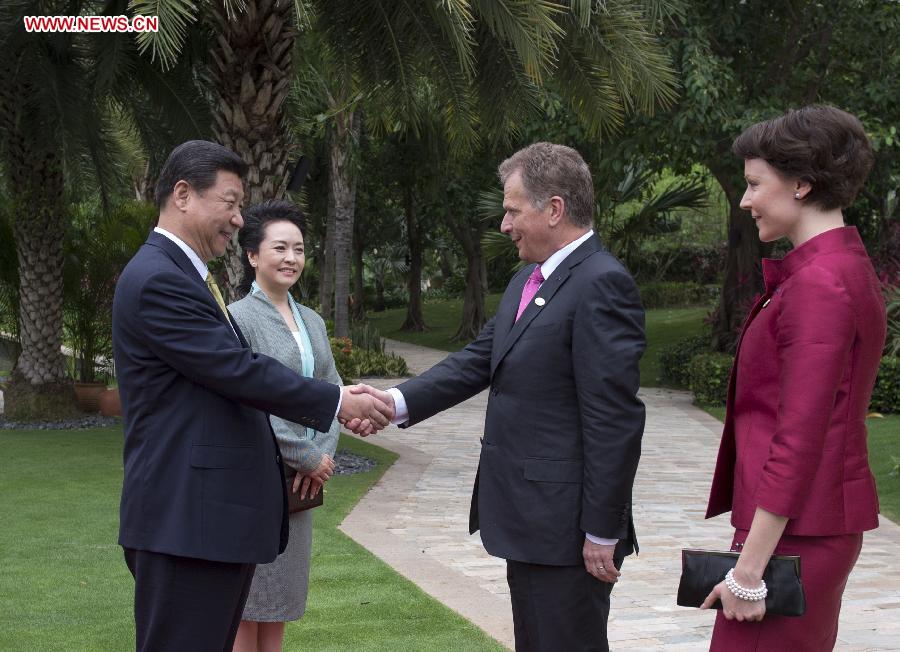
(401, 413)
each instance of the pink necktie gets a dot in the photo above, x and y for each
(531, 287)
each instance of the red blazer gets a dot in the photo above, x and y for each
(794, 441)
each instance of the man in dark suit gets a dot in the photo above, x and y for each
(563, 429)
(203, 497)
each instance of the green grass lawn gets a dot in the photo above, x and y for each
(64, 584)
(884, 442)
(665, 326)
(441, 317)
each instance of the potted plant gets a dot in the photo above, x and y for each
(98, 247)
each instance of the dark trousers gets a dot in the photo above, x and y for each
(558, 608)
(181, 603)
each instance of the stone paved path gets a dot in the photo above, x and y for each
(416, 519)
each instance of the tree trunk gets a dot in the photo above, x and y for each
(252, 70)
(379, 295)
(40, 388)
(326, 274)
(342, 186)
(743, 269)
(415, 320)
(473, 314)
(358, 313)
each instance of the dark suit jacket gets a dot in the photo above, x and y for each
(203, 475)
(563, 430)
(794, 441)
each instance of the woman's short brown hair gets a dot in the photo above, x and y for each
(819, 144)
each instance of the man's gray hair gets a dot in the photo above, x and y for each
(547, 170)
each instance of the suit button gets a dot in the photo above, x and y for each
(494, 391)
(278, 458)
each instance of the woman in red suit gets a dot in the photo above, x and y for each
(793, 466)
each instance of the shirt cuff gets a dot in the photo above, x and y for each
(340, 400)
(600, 540)
(401, 412)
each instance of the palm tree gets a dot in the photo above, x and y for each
(57, 95)
(474, 59)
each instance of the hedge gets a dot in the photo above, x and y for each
(697, 263)
(675, 359)
(709, 374)
(353, 362)
(886, 395)
(676, 294)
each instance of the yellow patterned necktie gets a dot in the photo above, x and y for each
(211, 284)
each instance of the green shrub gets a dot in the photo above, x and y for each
(701, 264)
(676, 294)
(97, 247)
(886, 395)
(365, 335)
(675, 359)
(354, 362)
(709, 374)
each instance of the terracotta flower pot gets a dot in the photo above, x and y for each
(110, 404)
(88, 395)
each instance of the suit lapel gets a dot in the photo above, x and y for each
(186, 266)
(546, 292)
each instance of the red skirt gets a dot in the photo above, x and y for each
(825, 565)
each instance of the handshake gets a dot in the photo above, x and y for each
(365, 410)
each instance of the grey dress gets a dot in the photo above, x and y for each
(278, 592)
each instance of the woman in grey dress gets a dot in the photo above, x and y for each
(274, 324)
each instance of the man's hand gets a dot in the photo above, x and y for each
(362, 413)
(598, 561)
(383, 397)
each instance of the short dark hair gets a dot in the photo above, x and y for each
(197, 162)
(819, 144)
(548, 169)
(251, 235)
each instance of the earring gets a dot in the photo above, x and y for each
(796, 195)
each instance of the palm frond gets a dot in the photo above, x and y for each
(615, 65)
(529, 28)
(507, 97)
(234, 7)
(498, 247)
(689, 194)
(489, 204)
(174, 18)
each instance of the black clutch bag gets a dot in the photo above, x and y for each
(297, 504)
(701, 570)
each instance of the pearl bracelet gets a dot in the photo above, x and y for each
(751, 595)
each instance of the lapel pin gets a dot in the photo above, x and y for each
(539, 301)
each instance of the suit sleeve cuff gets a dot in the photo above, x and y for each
(401, 412)
(600, 540)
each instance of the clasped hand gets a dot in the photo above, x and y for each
(733, 608)
(312, 482)
(365, 410)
